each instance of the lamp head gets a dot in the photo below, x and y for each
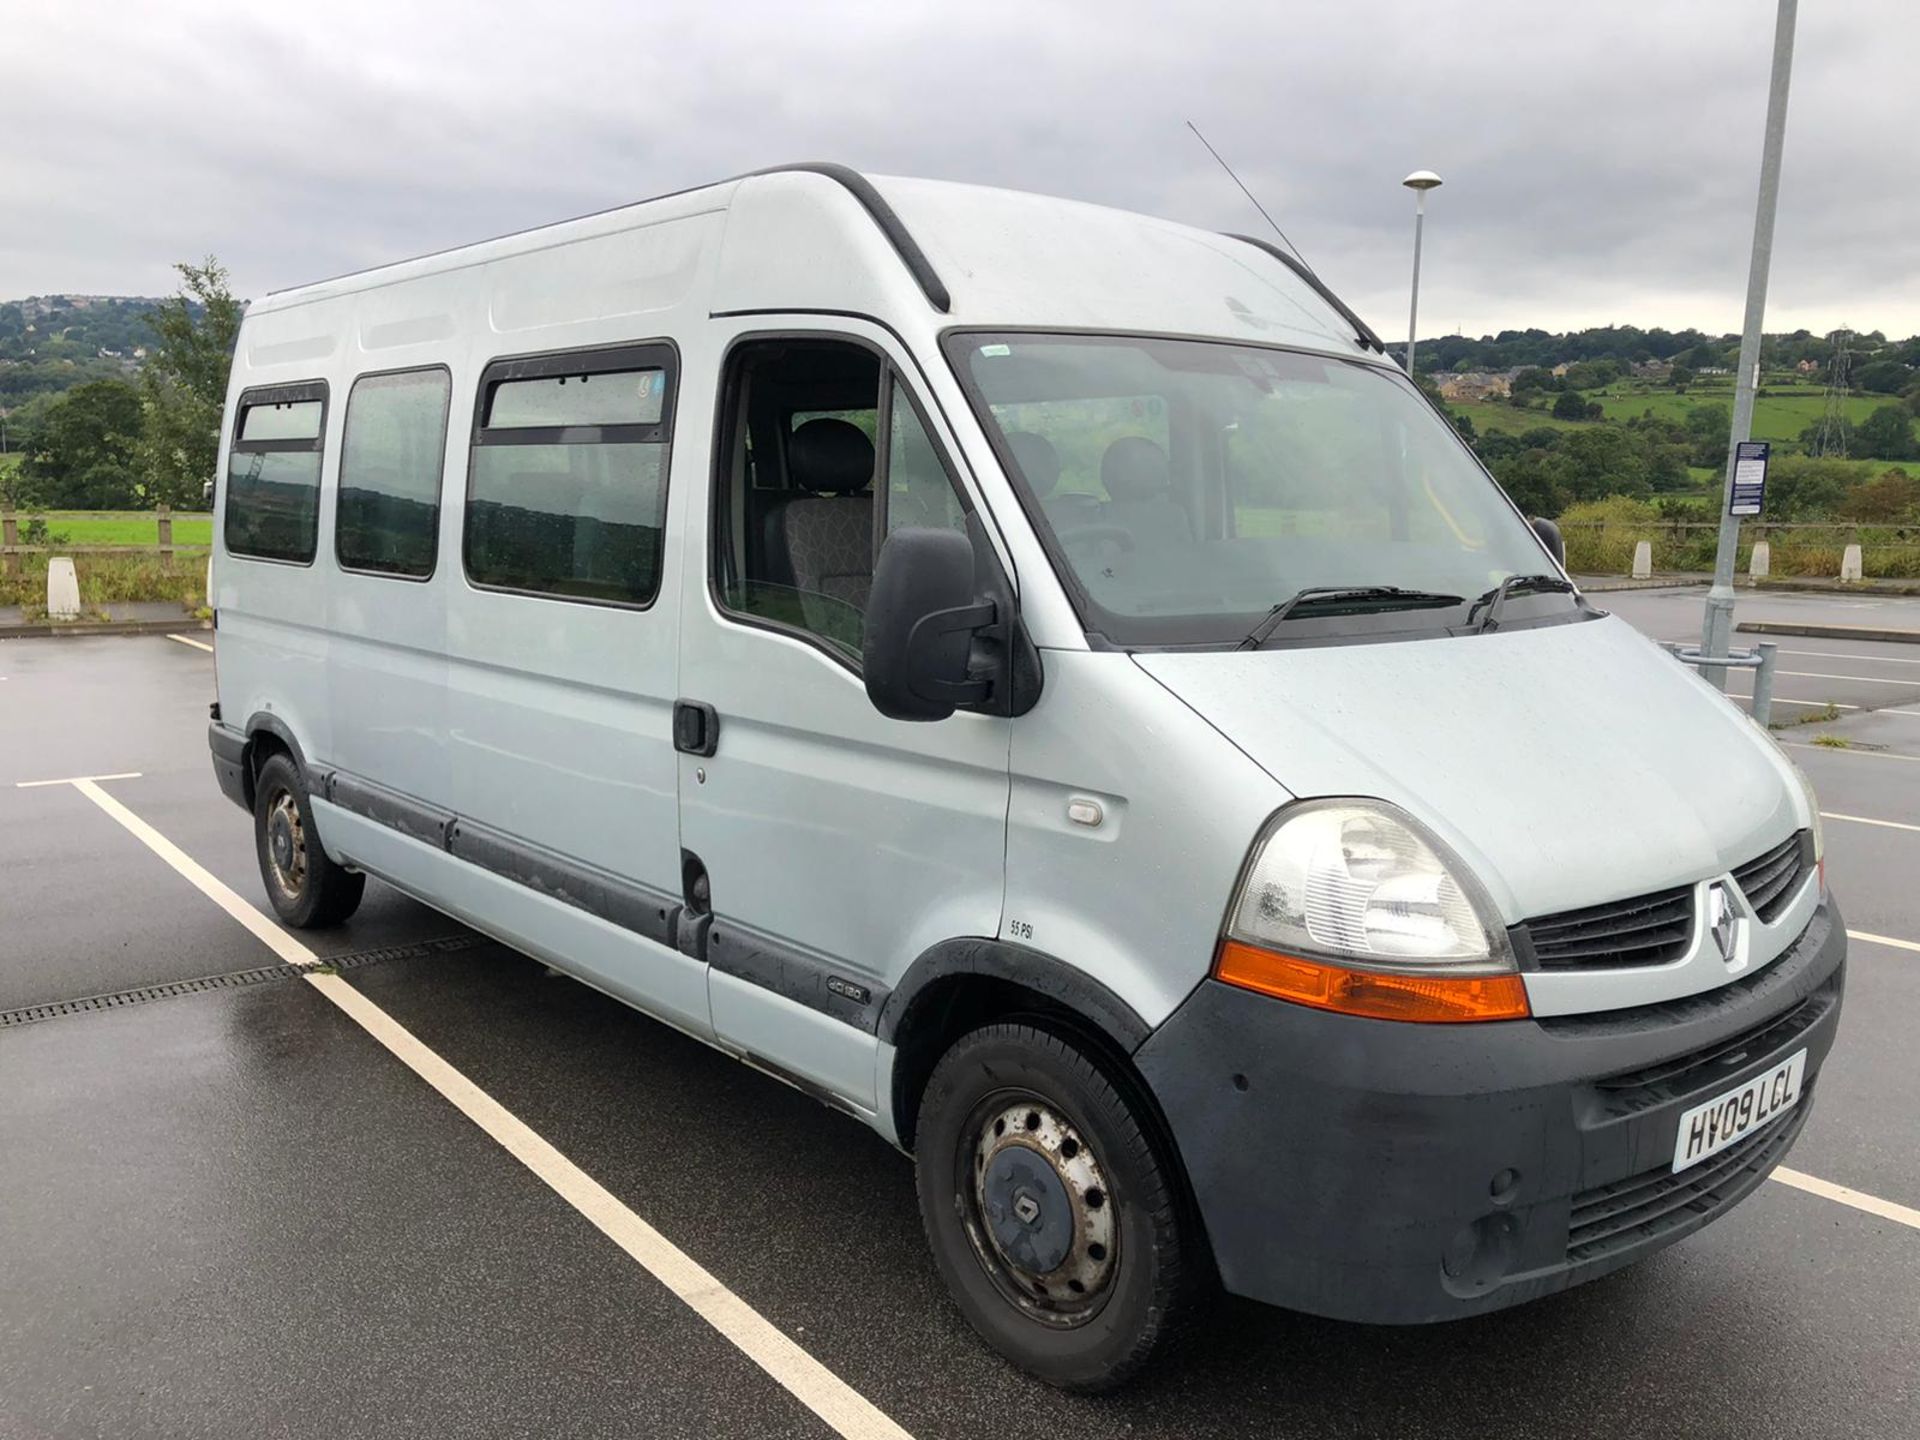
(1421, 180)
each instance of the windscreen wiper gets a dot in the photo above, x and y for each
(1392, 596)
(1514, 585)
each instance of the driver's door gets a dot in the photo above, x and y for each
(832, 845)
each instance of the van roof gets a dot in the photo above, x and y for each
(823, 236)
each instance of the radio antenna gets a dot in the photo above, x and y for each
(1248, 193)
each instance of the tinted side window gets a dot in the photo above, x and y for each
(273, 473)
(390, 461)
(567, 494)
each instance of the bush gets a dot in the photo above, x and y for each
(111, 579)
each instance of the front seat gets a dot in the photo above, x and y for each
(1040, 463)
(1140, 482)
(823, 540)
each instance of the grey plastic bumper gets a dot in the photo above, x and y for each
(1402, 1173)
(229, 749)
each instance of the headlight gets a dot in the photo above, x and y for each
(1352, 905)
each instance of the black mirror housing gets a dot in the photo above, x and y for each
(1550, 537)
(922, 616)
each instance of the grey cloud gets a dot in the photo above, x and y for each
(1600, 161)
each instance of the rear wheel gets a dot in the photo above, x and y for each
(1053, 1216)
(308, 891)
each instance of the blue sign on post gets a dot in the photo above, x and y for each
(1749, 477)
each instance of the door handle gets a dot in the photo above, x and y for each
(696, 727)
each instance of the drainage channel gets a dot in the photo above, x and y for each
(236, 980)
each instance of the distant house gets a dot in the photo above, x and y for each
(1713, 370)
(1560, 370)
(1808, 367)
(1471, 385)
(1652, 370)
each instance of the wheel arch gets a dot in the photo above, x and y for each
(960, 984)
(268, 735)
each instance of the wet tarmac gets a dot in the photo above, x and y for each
(226, 1210)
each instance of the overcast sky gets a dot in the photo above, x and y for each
(1600, 161)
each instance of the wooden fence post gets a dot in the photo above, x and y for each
(166, 537)
(10, 537)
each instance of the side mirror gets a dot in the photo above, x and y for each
(921, 618)
(1549, 534)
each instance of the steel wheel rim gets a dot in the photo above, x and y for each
(286, 844)
(1037, 1209)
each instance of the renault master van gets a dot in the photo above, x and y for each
(1041, 681)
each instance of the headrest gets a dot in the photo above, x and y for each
(1037, 459)
(830, 455)
(1134, 468)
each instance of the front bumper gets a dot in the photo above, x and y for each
(1402, 1173)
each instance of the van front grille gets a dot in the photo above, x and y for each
(1630, 1212)
(1646, 930)
(1773, 879)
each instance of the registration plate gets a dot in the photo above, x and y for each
(1727, 1119)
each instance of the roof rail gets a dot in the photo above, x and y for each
(884, 215)
(1361, 330)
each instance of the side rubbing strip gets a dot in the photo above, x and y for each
(886, 218)
(1362, 331)
(618, 901)
(796, 976)
(400, 812)
(621, 902)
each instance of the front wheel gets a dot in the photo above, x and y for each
(308, 891)
(1052, 1213)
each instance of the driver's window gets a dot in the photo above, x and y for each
(795, 512)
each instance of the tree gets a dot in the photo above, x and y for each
(1889, 498)
(1604, 460)
(185, 385)
(1708, 427)
(1887, 434)
(82, 455)
(1570, 406)
(1883, 377)
(1533, 481)
(1681, 377)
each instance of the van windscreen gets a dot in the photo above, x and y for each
(1186, 487)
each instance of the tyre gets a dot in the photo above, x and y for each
(308, 891)
(1053, 1214)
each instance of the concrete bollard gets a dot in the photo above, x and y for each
(63, 590)
(1643, 560)
(1850, 563)
(9, 537)
(165, 517)
(1762, 559)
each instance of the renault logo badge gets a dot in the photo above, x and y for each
(1722, 923)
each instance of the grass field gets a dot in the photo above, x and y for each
(1776, 417)
(137, 527)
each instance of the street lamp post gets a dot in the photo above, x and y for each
(1716, 636)
(1420, 181)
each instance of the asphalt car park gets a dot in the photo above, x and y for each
(415, 1183)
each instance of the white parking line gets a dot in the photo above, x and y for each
(1859, 1200)
(1858, 679)
(1848, 750)
(1873, 939)
(842, 1407)
(75, 780)
(1863, 820)
(197, 644)
(1838, 655)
